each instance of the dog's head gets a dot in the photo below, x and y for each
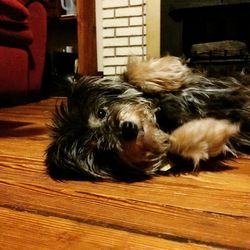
(107, 129)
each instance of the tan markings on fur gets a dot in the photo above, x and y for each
(94, 122)
(133, 113)
(200, 139)
(147, 151)
(150, 139)
(155, 75)
(151, 143)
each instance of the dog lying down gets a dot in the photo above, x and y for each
(135, 127)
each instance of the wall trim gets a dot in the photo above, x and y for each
(153, 28)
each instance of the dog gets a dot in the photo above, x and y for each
(132, 128)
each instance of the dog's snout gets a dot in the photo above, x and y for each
(129, 130)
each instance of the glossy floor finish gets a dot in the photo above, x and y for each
(210, 210)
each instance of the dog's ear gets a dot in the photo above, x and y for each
(71, 155)
(168, 73)
(65, 160)
(60, 163)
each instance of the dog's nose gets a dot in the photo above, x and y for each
(129, 130)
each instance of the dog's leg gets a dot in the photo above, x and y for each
(157, 75)
(201, 139)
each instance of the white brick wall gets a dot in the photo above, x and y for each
(124, 33)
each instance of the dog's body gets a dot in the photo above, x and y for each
(128, 128)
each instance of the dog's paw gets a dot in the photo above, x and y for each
(156, 75)
(201, 139)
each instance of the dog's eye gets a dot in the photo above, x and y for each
(101, 113)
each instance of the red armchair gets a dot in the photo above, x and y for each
(23, 30)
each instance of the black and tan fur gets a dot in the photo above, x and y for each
(128, 128)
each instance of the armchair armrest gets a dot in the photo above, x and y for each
(38, 24)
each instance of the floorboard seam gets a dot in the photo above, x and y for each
(165, 236)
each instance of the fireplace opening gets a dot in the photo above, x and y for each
(212, 34)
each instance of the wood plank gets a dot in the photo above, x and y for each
(36, 231)
(24, 129)
(210, 209)
(117, 205)
(153, 25)
(218, 188)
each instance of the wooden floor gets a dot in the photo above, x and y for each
(206, 211)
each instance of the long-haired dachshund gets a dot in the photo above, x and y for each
(130, 128)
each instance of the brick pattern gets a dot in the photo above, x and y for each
(124, 33)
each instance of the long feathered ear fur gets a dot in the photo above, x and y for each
(71, 155)
(156, 75)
